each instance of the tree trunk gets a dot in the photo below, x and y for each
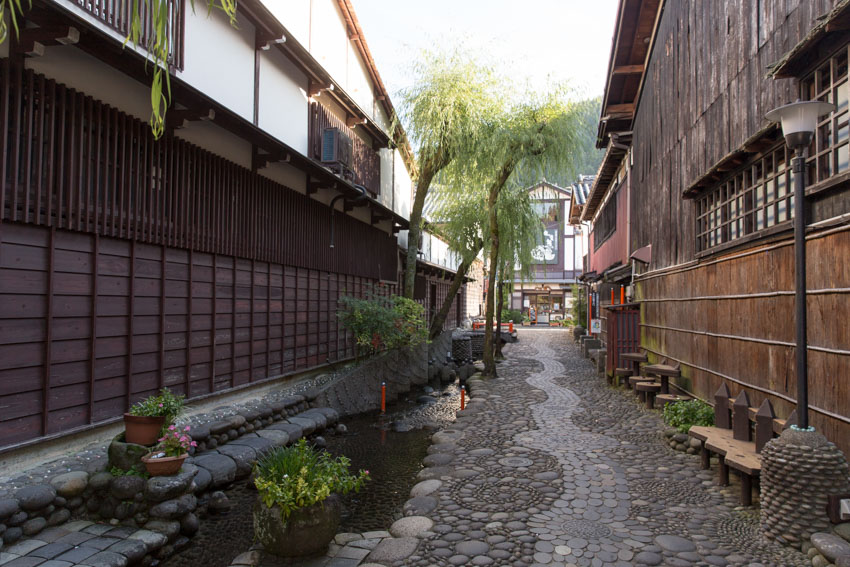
(501, 287)
(413, 235)
(443, 313)
(489, 360)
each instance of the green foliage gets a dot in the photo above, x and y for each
(579, 307)
(684, 415)
(165, 404)
(514, 315)
(381, 322)
(299, 476)
(135, 470)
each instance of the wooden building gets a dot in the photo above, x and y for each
(557, 258)
(208, 260)
(709, 191)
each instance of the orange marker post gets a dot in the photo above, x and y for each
(462, 397)
(612, 296)
(383, 397)
(622, 294)
(589, 312)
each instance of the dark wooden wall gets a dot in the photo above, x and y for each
(705, 93)
(729, 318)
(732, 320)
(90, 324)
(127, 264)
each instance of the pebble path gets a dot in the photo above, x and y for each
(550, 466)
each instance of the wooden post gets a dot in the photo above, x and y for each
(722, 415)
(764, 424)
(741, 417)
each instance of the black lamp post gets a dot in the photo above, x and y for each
(799, 120)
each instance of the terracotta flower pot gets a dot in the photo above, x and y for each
(163, 466)
(307, 531)
(142, 430)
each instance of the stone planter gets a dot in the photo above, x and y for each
(142, 430)
(163, 466)
(306, 531)
(578, 331)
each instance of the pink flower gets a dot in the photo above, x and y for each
(160, 405)
(194, 443)
(171, 428)
(187, 428)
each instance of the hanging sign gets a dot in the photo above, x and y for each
(596, 326)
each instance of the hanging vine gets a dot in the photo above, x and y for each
(157, 45)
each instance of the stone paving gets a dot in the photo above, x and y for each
(553, 467)
(550, 466)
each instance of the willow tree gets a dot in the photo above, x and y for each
(442, 113)
(529, 135)
(157, 44)
(519, 230)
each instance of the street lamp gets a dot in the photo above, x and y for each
(799, 120)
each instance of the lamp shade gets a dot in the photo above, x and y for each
(799, 120)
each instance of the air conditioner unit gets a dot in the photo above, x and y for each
(336, 147)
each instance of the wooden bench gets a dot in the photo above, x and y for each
(662, 400)
(619, 373)
(664, 372)
(647, 391)
(636, 358)
(733, 441)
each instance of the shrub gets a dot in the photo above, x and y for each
(684, 415)
(165, 404)
(299, 476)
(514, 315)
(579, 306)
(382, 322)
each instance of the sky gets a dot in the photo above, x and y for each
(534, 41)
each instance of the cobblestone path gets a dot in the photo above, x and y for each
(549, 466)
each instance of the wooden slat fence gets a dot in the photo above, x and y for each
(623, 326)
(128, 264)
(366, 162)
(117, 14)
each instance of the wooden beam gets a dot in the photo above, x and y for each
(352, 121)
(51, 35)
(628, 70)
(264, 42)
(176, 119)
(260, 159)
(625, 109)
(29, 48)
(315, 88)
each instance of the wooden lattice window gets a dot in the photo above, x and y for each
(606, 224)
(829, 153)
(755, 198)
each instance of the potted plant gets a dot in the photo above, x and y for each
(146, 420)
(168, 456)
(298, 509)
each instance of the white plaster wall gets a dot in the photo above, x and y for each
(329, 40)
(295, 17)
(403, 187)
(287, 175)
(283, 100)
(76, 69)
(358, 83)
(219, 59)
(217, 140)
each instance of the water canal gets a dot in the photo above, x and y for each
(390, 447)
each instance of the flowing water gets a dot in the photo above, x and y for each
(390, 447)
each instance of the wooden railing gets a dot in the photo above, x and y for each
(366, 162)
(117, 15)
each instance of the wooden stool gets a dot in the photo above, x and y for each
(620, 373)
(647, 391)
(662, 400)
(635, 380)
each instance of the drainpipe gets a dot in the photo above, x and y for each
(333, 204)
